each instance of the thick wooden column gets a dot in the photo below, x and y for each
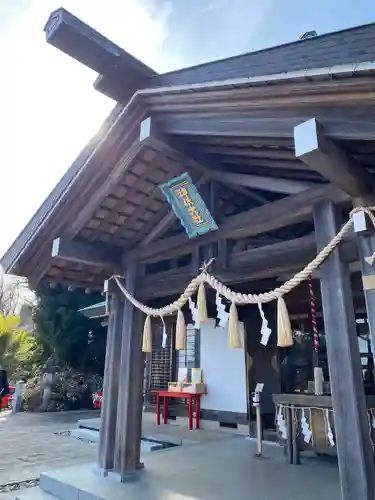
(111, 384)
(131, 373)
(366, 248)
(355, 455)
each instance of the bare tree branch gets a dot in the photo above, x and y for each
(11, 288)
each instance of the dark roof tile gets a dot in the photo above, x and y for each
(341, 47)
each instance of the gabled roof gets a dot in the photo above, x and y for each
(104, 155)
(340, 47)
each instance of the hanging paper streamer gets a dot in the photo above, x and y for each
(165, 338)
(265, 330)
(305, 427)
(372, 415)
(330, 435)
(194, 314)
(222, 314)
(281, 424)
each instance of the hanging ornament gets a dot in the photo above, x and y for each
(330, 435)
(284, 329)
(313, 322)
(305, 427)
(234, 336)
(372, 412)
(147, 335)
(194, 314)
(181, 333)
(201, 303)
(222, 314)
(265, 330)
(165, 338)
(281, 424)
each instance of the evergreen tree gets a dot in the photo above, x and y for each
(66, 334)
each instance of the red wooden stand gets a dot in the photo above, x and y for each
(181, 395)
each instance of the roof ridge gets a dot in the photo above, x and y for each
(266, 49)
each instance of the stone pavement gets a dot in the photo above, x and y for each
(29, 444)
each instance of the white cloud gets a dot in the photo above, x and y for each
(49, 109)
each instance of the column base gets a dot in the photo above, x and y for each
(126, 477)
(100, 472)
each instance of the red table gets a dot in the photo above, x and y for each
(181, 395)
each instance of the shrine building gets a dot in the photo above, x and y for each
(243, 168)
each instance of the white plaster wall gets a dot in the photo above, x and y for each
(224, 370)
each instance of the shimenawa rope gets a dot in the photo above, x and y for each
(239, 298)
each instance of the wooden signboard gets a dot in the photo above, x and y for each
(188, 206)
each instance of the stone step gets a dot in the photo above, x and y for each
(80, 483)
(85, 435)
(33, 494)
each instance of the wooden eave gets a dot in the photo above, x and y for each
(242, 125)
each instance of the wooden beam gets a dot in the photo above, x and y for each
(163, 225)
(285, 253)
(203, 165)
(285, 259)
(354, 449)
(324, 156)
(295, 166)
(268, 217)
(97, 254)
(274, 184)
(268, 261)
(280, 125)
(249, 152)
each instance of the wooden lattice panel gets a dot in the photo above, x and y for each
(135, 204)
(83, 276)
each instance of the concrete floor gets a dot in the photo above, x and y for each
(209, 465)
(215, 470)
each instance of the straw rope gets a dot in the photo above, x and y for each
(240, 298)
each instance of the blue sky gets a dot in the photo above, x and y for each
(49, 109)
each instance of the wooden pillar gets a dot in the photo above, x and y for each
(366, 248)
(130, 373)
(111, 384)
(354, 451)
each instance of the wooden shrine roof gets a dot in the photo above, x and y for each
(216, 130)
